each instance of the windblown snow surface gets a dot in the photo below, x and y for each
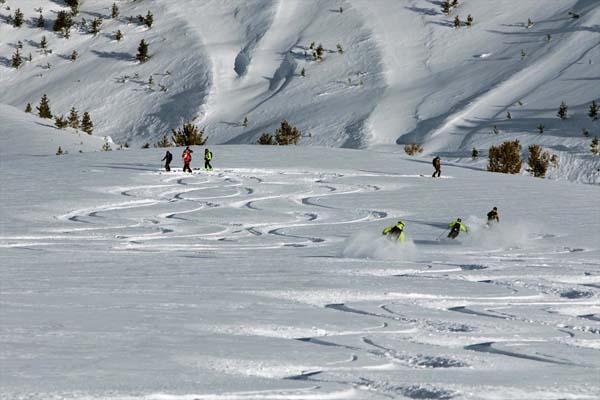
(268, 278)
(406, 74)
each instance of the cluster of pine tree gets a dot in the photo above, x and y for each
(285, 135)
(60, 121)
(188, 135)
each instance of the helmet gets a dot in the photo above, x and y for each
(458, 219)
(495, 208)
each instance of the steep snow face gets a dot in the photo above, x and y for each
(405, 75)
(268, 278)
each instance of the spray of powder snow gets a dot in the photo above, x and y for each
(505, 234)
(377, 247)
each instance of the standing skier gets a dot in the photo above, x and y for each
(207, 158)
(455, 228)
(493, 216)
(187, 159)
(395, 232)
(167, 159)
(437, 164)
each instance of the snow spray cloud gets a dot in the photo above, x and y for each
(505, 234)
(374, 246)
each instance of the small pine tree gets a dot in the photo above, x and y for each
(44, 108)
(469, 22)
(594, 146)
(266, 139)
(146, 145)
(86, 123)
(563, 111)
(339, 48)
(40, 21)
(164, 142)
(20, 45)
(505, 158)
(312, 45)
(150, 80)
(17, 60)
(495, 130)
(74, 118)
(74, 55)
(59, 152)
(188, 135)
(446, 7)
(508, 115)
(118, 35)
(303, 72)
(245, 122)
(540, 128)
(413, 149)
(454, 3)
(523, 54)
(538, 161)
(106, 145)
(457, 22)
(585, 132)
(142, 55)
(63, 22)
(60, 122)
(114, 11)
(287, 134)
(149, 20)
(319, 52)
(43, 42)
(96, 26)
(18, 19)
(548, 37)
(529, 23)
(474, 153)
(593, 114)
(28, 109)
(341, 10)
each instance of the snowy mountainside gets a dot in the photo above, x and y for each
(405, 75)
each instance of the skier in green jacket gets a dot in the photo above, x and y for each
(395, 232)
(207, 158)
(455, 228)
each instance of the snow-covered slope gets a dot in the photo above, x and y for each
(25, 135)
(406, 74)
(267, 278)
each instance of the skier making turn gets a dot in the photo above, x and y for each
(493, 216)
(395, 232)
(455, 228)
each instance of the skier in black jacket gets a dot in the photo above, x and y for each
(167, 159)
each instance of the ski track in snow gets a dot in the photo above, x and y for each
(406, 327)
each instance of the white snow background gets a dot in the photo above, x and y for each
(268, 278)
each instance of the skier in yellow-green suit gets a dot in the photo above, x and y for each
(455, 228)
(395, 231)
(207, 158)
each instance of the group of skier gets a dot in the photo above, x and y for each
(187, 159)
(396, 232)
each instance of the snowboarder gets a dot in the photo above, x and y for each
(493, 216)
(187, 159)
(395, 232)
(455, 228)
(437, 164)
(167, 159)
(207, 158)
